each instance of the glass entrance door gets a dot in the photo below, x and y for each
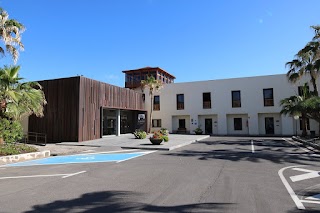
(208, 125)
(109, 122)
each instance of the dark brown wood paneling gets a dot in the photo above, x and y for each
(60, 121)
(74, 104)
(93, 96)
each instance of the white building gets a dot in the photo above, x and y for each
(239, 106)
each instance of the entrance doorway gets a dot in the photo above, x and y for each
(182, 123)
(269, 125)
(109, 122)
(208, 125)
(129, 121)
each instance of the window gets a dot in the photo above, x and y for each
(268, 97)
(156, 103)
(237, 123)
(308, 123)
(206, 100)
(301, 88)
(180, 101)
(236, 99)
(156, 122)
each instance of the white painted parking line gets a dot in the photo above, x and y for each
(70, 175)
(308, 175)
(293, 195)
(35, 176)
(314, 197)
(252, 146)
(292, 143)
(144, 153)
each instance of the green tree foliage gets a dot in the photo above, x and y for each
(152, 86)
(10, 34)
(306, 63)
(18, 99)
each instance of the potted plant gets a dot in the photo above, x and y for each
(157, 138)
(198, 130)
(165, 134)
(140, 134)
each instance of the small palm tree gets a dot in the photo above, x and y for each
(19, 99)
(153, 85)
(293, 106)
(10, 34)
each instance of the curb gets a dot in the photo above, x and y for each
(309, 143)
(165, 148)
(23, 157)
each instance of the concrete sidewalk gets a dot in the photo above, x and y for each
(128, 141)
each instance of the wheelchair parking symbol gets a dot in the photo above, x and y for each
(306, 174)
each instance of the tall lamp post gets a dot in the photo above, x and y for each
(296, 117)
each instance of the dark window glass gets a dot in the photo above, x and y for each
(268, 97)
(156, 102)
(237, 122)
(206, 100)
(236, 98)
(180, 101)
(156, 122)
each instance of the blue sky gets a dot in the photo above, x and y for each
(191, 39)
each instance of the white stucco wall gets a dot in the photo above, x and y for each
(252, 104)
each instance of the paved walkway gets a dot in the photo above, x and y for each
(126, 141)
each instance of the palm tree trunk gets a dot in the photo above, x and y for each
(315, 88)
(150, 117)
(304, 126)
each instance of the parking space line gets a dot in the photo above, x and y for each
(33, 176)
(293, 195)
(252, 146)
(145, 153)
(311, 201)
(292, 143)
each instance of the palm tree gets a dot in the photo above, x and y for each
(307, 61)
(153, 85)
(293, 106)
(10, 34)
(305, 64)
(19, 99)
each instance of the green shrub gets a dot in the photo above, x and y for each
(164, 131)
(140, 134)
(165, 138)
(14, 149)
(10, 131)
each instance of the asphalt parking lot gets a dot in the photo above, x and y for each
(218, 174)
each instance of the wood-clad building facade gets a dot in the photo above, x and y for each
(80, 108)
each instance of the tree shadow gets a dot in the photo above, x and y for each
(119, 201)
(277, 152)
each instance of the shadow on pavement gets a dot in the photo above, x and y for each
(119, 201)
(276, 151)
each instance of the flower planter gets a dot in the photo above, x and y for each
(156, 141)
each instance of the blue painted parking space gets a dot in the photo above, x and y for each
(81, 158)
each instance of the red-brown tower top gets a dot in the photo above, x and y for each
(134, 77)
